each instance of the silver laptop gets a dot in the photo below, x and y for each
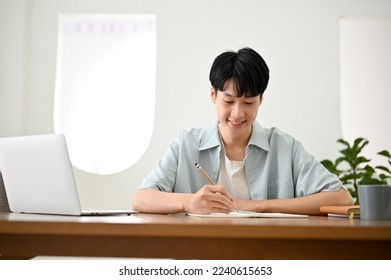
(38, 177)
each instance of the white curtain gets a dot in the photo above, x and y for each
(105, 89)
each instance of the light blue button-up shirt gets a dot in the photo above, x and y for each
(276, 166)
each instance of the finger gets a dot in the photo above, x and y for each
(217, 198)
(220, 189)
(223, 200)
(220, 208)
(225, 193)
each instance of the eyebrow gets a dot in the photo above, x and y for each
(228, 94)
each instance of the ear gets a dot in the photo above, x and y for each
(213, 95)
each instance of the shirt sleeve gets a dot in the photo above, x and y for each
(162, 177)
(310, 176)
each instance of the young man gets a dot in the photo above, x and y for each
(255, 169)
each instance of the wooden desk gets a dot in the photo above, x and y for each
(184, 237)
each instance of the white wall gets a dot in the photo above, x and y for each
(298, 39)
(365, 82)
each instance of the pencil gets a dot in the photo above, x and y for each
(209, 179)
(205, 174)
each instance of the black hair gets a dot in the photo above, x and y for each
(246, 68)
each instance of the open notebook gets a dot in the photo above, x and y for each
(38, 176)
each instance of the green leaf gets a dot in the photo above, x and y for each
(339, 160)
(385, 153)
(344, 142)
(371, 181)
(368, 169)
(357, 143)
(330, 166)
(345, 152)
(384, 178)
(362, 160)
(327, 162)
(384, 169)
(350, 177)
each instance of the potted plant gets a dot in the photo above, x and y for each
(353, 169)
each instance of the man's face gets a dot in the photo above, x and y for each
(236, 114)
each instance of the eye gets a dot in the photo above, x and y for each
(249, 103)
(228, 101)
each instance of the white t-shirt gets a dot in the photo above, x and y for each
(232, 176)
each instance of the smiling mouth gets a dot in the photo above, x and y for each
(236, 124)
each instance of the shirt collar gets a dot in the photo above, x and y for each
(259, 137)
(211, 137)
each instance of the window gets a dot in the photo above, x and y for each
(105, 89)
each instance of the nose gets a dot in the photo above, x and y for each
(237, 111)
